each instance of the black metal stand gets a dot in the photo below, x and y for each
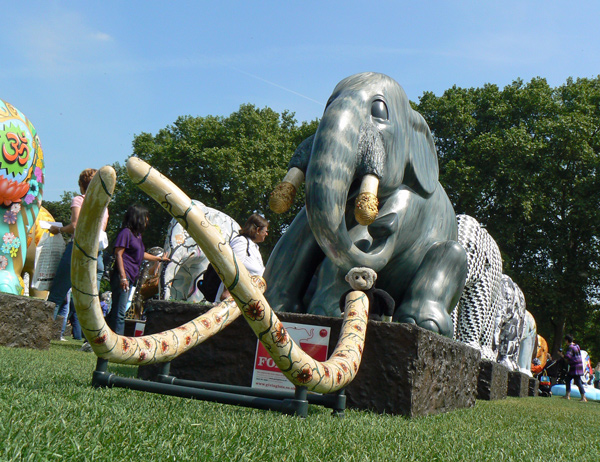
(286, 402)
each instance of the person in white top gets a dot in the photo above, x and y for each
(245, 248)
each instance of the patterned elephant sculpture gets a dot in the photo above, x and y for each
(181, 276)
(21, 185)
(513, 324)
(474, 316)
(490, 315)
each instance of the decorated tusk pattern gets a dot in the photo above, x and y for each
(284, 193)
(148, 349)
(323, 377)
(367, 205)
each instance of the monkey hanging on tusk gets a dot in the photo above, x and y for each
(381, 304)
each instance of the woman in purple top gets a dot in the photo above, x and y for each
(573, 357)
(129, 254)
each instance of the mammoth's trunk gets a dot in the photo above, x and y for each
(336, 161)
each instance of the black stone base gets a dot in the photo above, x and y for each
(405, 370)
(491, 384)
(518, 384)
(27, 322)
(534, 386)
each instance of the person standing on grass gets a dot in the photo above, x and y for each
(573, 357)
(129, 254)
(62, 279)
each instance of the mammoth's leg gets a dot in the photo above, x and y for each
(435, 289)
(291, 266)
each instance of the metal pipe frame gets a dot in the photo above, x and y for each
(286, 402)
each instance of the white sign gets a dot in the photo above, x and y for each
(46, 224)
(314, 340)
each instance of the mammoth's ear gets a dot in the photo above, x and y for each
(423, 168)
(301, 156)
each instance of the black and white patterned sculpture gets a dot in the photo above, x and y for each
(180, 277)
(475, 313)
(509, 323)
(490, 314)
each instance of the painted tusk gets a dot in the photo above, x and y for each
(149, 349)
(322, 377)
(284, 193)
(366, 206)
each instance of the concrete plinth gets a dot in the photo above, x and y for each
(26, 322)
(405, 369)
(492, 381)
(534, 386)
(518, 384)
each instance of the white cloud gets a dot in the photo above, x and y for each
(58, 42)
(101, 37)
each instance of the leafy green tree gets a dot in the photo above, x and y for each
(524, 162)
(229, 163)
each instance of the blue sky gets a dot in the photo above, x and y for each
(91, 75)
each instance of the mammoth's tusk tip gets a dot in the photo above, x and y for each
(366, 208)
(134, 161)
(282, 197)
(108, 171)
(137, 169)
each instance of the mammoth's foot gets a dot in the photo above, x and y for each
(431, 316)
(435, 289)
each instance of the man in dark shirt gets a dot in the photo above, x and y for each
(573, 357)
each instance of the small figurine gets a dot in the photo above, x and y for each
(381, 304)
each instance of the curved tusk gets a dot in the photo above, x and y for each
(322, 377)
(366, 206)
(148, 349)
(284, 193)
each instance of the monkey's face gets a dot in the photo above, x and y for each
(360, 280)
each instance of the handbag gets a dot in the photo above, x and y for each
(48, 253)
(545, 379)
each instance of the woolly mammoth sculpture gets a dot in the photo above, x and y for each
(372, 148)
(181, 275)
(21, 183)
(474, 316)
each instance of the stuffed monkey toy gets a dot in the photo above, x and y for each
(381, 304)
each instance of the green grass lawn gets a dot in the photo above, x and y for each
(49, 411)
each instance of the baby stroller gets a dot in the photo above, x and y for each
(545, 384)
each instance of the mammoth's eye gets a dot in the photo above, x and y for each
(379, 109)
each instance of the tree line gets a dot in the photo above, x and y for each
(522, 160)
